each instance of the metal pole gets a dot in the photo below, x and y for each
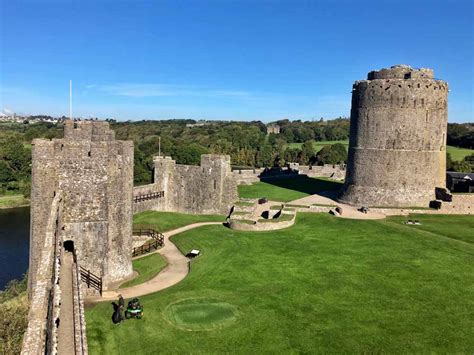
(159, 146)
(70, 99)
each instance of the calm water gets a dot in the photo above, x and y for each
(14, 242)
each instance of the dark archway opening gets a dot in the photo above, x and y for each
(69, 246)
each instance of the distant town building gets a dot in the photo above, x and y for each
(273, 128)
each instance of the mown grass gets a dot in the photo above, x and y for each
(458, 153)
(319, 145)
(325, 285)
(165, 221)
(12, 201)
(457, 227)
(288, 189)
(147, 268)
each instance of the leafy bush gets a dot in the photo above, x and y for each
(14, 316)
(332, 154)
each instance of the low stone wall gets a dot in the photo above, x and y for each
(335, 172)
(461, 204)
(80, 336)
(147, 205)
(41, 335)
(261, 226)
(249, 176)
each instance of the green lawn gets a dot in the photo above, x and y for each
(147, 267)
(319, 145)
(11, 201)
(442, 225)
(325, 285)
(165, 221)
(458, 153)
(287, 189)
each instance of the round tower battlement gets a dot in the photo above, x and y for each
(397, 138)
(401, 71)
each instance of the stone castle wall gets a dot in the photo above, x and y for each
(208, 188)
(41, 335)
(397, 138)
(249, 176)
(95, 174)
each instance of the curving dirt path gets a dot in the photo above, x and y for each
(174, 272)
(348, 211)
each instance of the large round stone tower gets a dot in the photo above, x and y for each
(397, 154)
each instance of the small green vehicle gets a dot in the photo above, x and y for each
(134, 309)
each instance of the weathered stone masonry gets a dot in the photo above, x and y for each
(397, 138)
(95, 174)
(209, 188)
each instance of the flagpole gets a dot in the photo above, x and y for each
(70, 99)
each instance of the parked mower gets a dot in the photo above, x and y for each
(134, 309)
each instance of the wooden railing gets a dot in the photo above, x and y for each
(156, 242)
(149, 196)
(91, 280)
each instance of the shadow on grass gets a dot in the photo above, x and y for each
(306, 184)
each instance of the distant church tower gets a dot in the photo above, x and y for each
(397, 146)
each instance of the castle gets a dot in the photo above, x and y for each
(83, 198)
(397, 145)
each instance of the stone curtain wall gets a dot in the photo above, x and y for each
(146, 205)
(41, 335)
(209, 188)
(249, 176)
(397, 146)
(80, 335)
(95, 173)
(461, 204)
(335, 172)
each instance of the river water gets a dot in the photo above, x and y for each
(14, 243)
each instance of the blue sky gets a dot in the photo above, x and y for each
(223, 59)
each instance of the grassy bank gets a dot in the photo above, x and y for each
(147, 268)
(13, 316)
(12, 201)
(325, 285)
(459, 153)
(165, 221)
(287, 189)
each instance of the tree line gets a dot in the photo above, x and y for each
(247, 143)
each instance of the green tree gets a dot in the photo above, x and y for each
(332, 154)
(307, 152)
(265, 156)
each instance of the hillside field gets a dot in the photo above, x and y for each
(456, 153)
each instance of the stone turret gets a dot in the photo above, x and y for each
(397, 147)
(94, 174)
